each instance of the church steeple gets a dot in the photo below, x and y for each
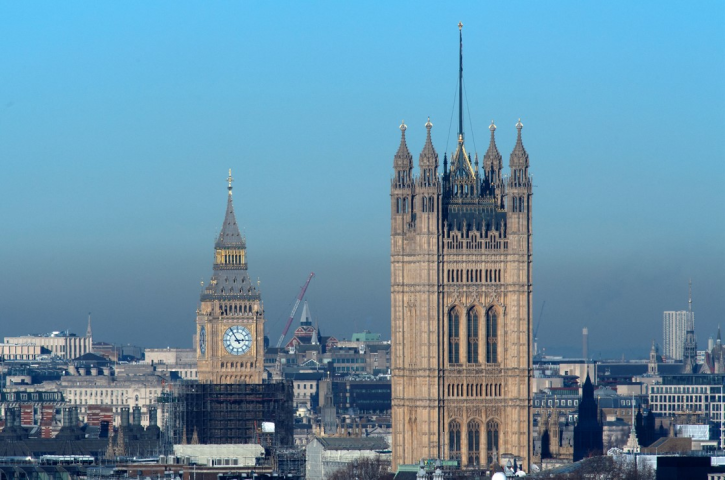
(652, 366)
(690, 348)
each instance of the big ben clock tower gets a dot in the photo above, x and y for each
(230, 320)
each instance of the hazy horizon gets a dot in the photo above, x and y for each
(118, 123)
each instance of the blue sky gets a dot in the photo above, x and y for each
(118, 122)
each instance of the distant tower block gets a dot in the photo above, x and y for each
(585, 343)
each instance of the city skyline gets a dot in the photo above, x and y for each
(117, 131)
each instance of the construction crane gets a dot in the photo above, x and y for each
(536, 330)
(294, 310)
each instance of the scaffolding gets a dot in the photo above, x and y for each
(289, 461)
(233, 413)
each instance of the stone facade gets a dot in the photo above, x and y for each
(461, 305)
(230, 320)
(59, 344)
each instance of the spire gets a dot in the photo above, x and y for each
(718, 334)
(632, 445)
(429, 156)
(403, 158)
(492, 160)
(89, 332)
(229, 235)
(306, 318)
(689, 301)
(460, 81)
(588, 388)
(460, 161)
(519, 157)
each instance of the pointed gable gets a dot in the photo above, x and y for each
(461, 163)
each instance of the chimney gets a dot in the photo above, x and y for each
(67, 416)
(153, 419)
(137, 415)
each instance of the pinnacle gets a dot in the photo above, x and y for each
(403, 158)
(519, 155)
(429, 156)
(492, 149)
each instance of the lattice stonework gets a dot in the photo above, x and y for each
(461, 305)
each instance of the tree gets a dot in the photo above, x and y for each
(608, 468)
(365, 468)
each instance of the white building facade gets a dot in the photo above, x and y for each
(674, 330)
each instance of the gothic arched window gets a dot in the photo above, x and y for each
(397, 210)
(405, 205)
(473, 336)
(454, 440)
(453, 336)
(430, 204)
(492, 336)
(492, 440)
(424, 204)
(474, 442)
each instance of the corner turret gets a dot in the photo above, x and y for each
(492, 167)
(401, 194)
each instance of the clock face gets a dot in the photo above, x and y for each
(202, 341)
(237, 340)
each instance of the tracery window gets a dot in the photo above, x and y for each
(474, 442)
(453, 336)
(454, 440)
(492, 336)
(473, 336)
(491, 440)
